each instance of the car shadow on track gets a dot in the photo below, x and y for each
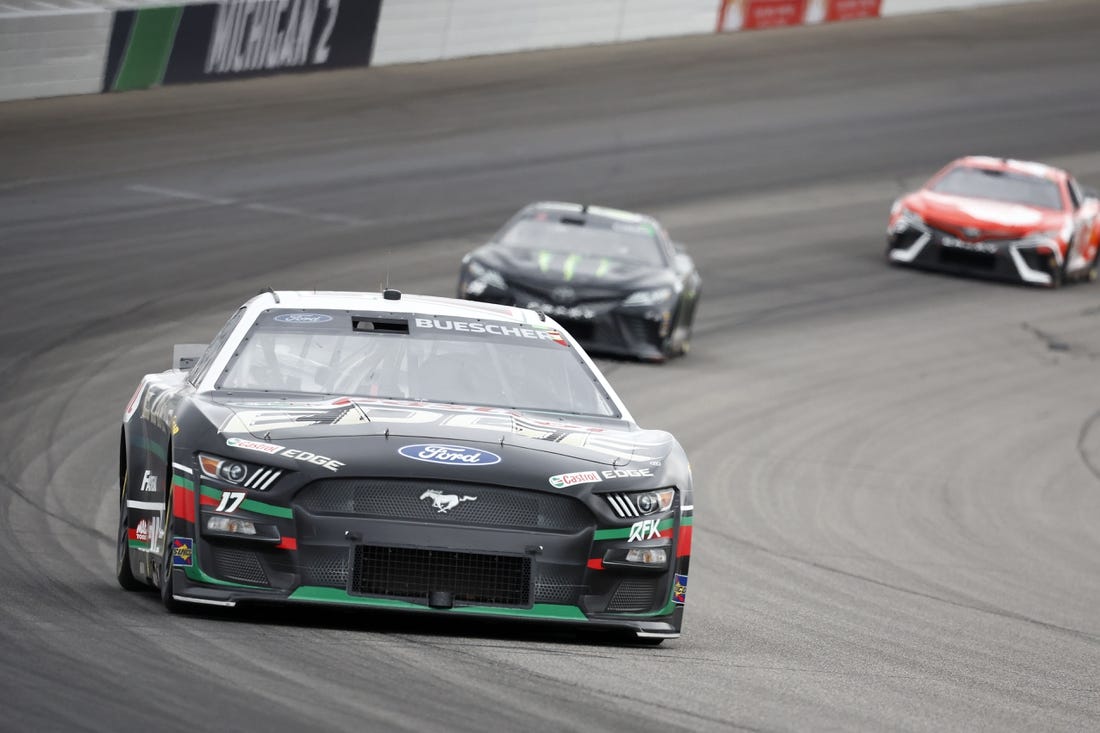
(394, 623)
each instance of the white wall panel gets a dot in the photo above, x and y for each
(901, 7)
(411, 30)
(44, 55)
(490, 26)
(658, 18)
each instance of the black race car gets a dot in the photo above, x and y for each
(614, 279)
(409, 453)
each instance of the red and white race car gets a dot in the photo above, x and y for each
(1001, 219)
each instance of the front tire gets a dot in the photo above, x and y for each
(167, 595)
(123, 571)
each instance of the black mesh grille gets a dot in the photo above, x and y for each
(403, 572)
(445, 502)
(325, 566)
(558, 585)
(642, 329)
(580, 330)
(633, 594)
(966, 258)
(240, 565)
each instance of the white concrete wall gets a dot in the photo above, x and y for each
(430, 30)
(54, 47)
(901, 7)
(45, 55)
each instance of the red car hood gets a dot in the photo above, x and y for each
(991, 219)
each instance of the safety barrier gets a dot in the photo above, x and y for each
(67, 47)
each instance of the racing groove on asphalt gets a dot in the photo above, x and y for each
(898, 514)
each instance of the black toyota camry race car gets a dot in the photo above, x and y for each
(408, 453)
(612, 278)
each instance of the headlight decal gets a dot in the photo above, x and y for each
(640, 503)
(663, 529)
(648, 297)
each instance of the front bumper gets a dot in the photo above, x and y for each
(544, 563)
(1008, 261)
(602, 326)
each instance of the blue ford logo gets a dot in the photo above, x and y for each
(449, 455)
(303, 318)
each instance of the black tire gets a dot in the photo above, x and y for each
(123, 571)
(167, 597)
(1057, 274)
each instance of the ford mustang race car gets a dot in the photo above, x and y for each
(1001, 219)
(613, 279)
(408, 453)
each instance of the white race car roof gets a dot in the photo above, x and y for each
(618, 214)
(425, 304)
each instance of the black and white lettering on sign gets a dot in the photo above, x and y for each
(252, 36)
(235, 38)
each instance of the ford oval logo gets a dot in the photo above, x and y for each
(449, 455)
(303, 318)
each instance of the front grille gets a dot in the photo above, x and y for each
(633, 594)
(580, 330)
(473, 505)
(410, 573)
(967, 258)
(324, 566)
(239, 565)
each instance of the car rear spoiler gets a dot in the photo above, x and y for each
(184, 356)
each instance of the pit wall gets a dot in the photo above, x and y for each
(145, 43)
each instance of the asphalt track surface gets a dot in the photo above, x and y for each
(897, 473)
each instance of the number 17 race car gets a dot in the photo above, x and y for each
(1000, 219)
(407, 453)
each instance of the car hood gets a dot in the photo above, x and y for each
(343, 424)
(993, 219)
(579, 271)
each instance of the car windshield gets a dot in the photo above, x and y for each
(1009, 186)
(591, 237)
(414, 357)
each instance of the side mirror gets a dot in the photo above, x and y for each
(184, 356)
(680, 249)
(1091, 193)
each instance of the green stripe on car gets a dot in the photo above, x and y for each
(251, 505)
(316, 594)
(622, 533)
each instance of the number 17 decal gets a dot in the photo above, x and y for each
(230, 501)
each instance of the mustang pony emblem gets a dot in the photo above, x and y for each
(442, 502)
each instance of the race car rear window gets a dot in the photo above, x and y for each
(591, 236)
(416, 357)
(1008, 186)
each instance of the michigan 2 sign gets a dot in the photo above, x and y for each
(237, 38)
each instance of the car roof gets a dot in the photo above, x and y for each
(604, 211)
(1026, 167)
(376, 301)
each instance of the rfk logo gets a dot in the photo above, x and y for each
(442, 502)
(643, 530)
